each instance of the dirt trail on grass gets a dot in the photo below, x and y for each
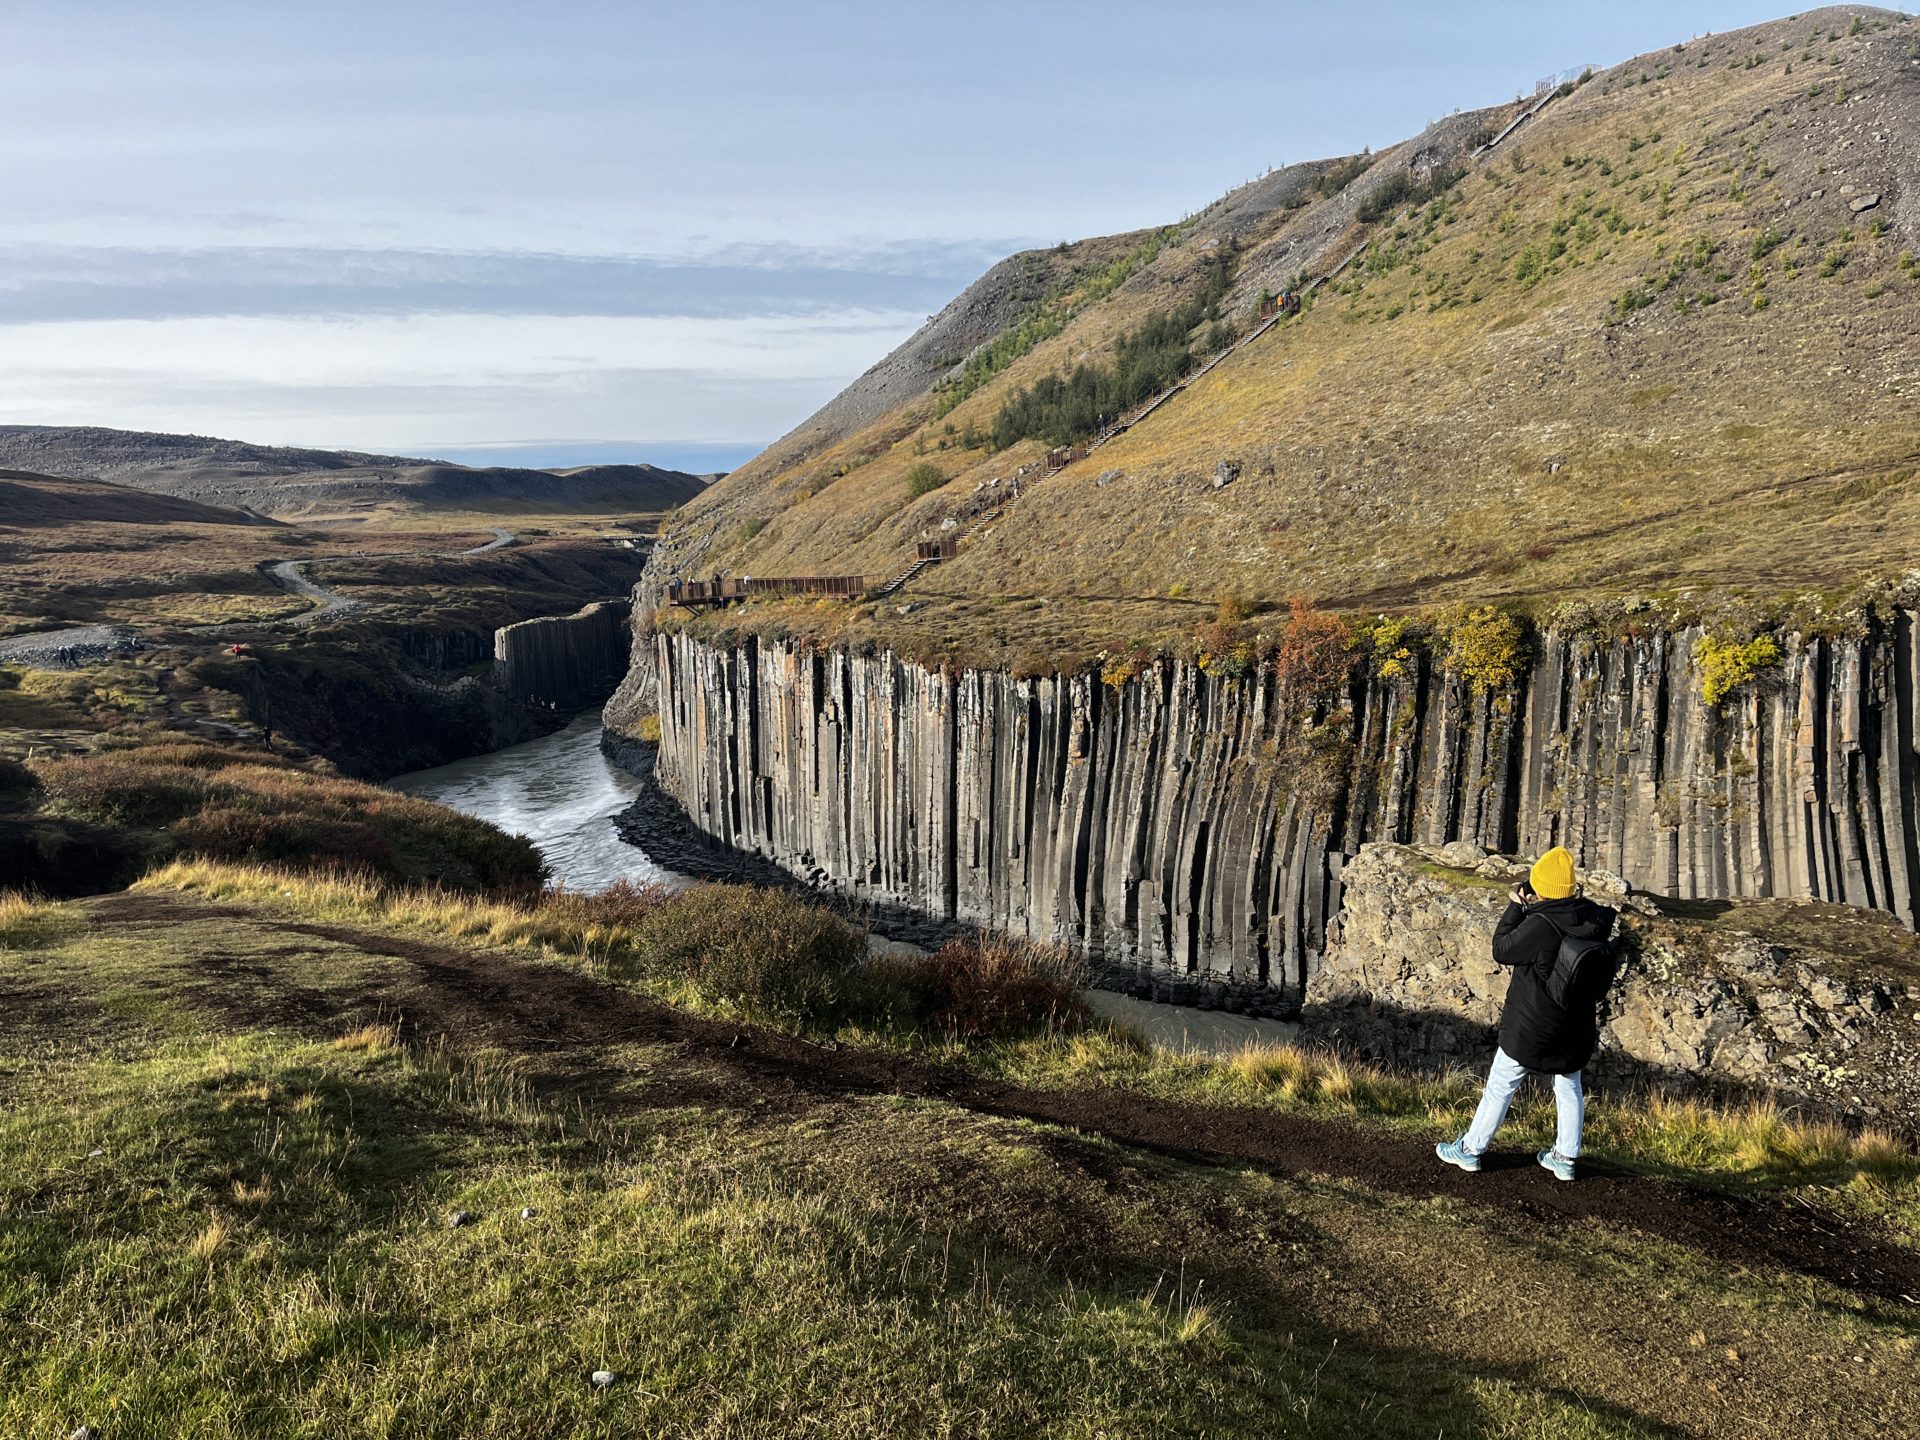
(564, 1022)
(294, 577)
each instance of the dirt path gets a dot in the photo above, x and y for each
(564, 1022)
(293, 577)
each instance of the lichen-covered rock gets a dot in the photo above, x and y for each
(1814, 1000)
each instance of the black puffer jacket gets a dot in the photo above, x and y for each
(1543, 1036)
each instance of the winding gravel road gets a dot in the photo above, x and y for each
(292, 576)
(83, 645)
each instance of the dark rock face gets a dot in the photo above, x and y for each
(569, 661)
(1195, 829)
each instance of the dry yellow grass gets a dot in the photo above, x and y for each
(550, 927)
(374, 1038)
(253, 1192)
(1628, 354)
(210, 1241)
(1758, 1141)
(19, 917)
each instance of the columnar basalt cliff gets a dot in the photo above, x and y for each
(563, 660)
(1193, 830)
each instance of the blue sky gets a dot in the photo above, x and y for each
(649, 231)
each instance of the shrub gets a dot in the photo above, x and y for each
(1145, 361)
(15, 778)
(224, 832)
(1223, 647)
(1392, 643)
(117, 789)
(1316, 652)
(1335, 178)
(773, 954)
(1485, 646)
(1634, 297)
(994, 985)
(239, 805)
(924, 477)
(1042, 321)
(1401, 188)
(1726, 665)
(1117, 670)
(1314, 761)
(889, 993)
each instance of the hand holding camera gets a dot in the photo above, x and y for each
(1522, 894)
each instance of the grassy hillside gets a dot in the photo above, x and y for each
(76, 551)
(239, 1122)
(1657, 342)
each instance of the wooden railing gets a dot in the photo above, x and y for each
(725, 590)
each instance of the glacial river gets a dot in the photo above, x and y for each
(560, 792)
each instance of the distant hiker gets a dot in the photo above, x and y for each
(1555, 942)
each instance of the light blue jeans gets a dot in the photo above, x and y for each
(1502, 1080)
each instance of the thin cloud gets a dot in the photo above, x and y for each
(48, 283)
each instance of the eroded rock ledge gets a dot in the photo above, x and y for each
(1814, 999)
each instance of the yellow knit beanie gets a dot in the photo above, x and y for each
(1552, 874)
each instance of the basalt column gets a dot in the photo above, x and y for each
(568, 661)
(1193, 828)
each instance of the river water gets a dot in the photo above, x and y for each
(560, 792)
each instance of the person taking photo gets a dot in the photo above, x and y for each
(1554, 940)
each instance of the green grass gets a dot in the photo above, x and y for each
(259, 1248)
(231, 1231)
(223, 1227)
(1754, 1146)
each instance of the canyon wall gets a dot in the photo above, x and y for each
(568, 661)
(1191, 830)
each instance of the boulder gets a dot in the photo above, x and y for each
(1408, 976)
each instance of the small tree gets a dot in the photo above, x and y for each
(1316, 652)
(923, 477)
(1485, 645)
(1727, 665)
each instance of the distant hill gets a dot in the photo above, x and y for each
(307, 484)
(1650, 331)
(29, 501)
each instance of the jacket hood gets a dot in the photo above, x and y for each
(1576, 917)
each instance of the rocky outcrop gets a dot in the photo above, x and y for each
(563, 661)
(1812, 999)
(1194, 830)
